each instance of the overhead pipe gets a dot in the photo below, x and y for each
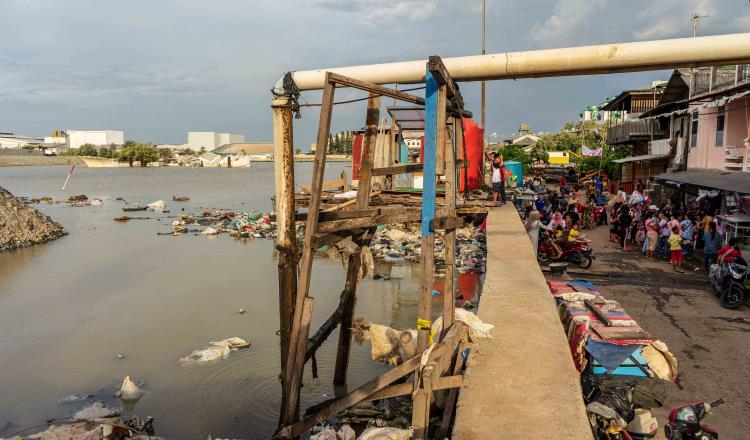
(582, 60)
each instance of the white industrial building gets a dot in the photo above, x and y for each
(210, 140)
(15, 141)
(76, 138)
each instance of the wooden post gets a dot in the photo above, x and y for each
(286, 241)
(449, 292)
(424, 310)
(352, 273)
(300, 323)
(421, 400)
(440, 136)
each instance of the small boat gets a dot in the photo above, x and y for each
(180, 199)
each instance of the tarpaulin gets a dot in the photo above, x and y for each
(610, 356)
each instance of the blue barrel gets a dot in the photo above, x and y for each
(517, 169)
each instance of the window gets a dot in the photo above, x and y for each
(720, 119)
(694, 131)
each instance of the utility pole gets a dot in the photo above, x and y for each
(695, 23)
(484, 41)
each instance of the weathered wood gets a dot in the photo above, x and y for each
(451, 223)
(391, 93)
(455, 334)
(297, 341)
(328, 185)
(422, 399)
(298, 362)
(402, 389)
(348, 203)
(368, 150)
(346, 182)
(440, 135)
(450, 400)
(424, 308)
(447, 223)
(397, 169)
(406, 215)
(436, 66)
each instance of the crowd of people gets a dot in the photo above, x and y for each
(670, 232)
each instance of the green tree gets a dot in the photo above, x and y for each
(297, 151)
(165, 153)
(104, 152)
(138, 152)
(87, 150)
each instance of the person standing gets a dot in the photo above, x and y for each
(712, 241)
(652, 233)
(675, 249)
(533, 227)
(498, 179)
(539, 203)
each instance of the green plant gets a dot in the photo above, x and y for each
(87, 150)
(138, 152)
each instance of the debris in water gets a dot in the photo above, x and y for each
(217, 350)
(72, 398)
(120, 356)
(386, 433)
(180, 198)
(96, 410)
(129, 390)
(241, 311)
(158, 205)
(209, 231)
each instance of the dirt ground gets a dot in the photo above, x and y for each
(711, 343)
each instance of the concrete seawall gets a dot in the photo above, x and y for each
(16, 161)
(522, 383)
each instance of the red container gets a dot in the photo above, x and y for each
(474, 150)
(357, 155)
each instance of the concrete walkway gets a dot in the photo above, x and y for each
(521, 384)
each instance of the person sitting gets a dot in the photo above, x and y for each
(575, 235)
(730, 252)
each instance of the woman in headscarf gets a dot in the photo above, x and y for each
(557, 220)
(533, 226)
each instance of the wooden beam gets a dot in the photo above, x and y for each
(298, 336)
(447, 223)
(384, 91)
(347, 314)
(348, 203)
(328, 185)
(436, 66)
(440, 135)
(397, 169)
(402, 389)
(406, 215)
(368, 150)
(451, 223)
(450, 401)
(447, 347)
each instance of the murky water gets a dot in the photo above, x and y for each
(68, 307)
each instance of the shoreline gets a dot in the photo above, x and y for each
(19, 161)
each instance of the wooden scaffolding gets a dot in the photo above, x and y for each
(437, 364)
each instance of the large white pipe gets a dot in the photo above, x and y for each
(583, 60)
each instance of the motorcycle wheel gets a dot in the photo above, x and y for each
(542, 257)
(732, 295)
(584, 260)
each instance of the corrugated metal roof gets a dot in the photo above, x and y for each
(408, 118)
(639, 158)
(737, 181)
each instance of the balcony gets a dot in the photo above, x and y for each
(707, 80)
(635, 131)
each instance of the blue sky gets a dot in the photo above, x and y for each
(159, 68)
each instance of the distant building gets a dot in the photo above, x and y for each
(99, 138)
(595, 113)
(210, 140)
(15, 141)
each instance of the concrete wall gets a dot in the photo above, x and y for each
(206, 139)
(706, 154)
(231, 138)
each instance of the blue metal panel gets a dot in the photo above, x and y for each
(404, 152)
(430, 152)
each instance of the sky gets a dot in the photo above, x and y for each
(160, 68)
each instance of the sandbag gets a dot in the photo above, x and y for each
(660, 360)
(217, 350)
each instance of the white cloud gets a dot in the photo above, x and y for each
(567, 19)
(670, 18)
(379, 13)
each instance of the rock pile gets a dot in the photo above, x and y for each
(21, 225)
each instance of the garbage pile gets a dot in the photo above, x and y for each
(397, 243)
(240, 224)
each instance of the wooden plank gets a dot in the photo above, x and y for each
(451, 223)
(328, 185)
(447, 223)
(452, 398)
(348, 203)
(596, 311)
(402, 389)
(297, 342)
(347, 314)
(436, 66)
(456, 334)
(421, 401)
(440, 138)
(397, 169)
(298, 360)
(391, 93)
(406, 215)
(368, 150)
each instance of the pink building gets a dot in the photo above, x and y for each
(719, 135)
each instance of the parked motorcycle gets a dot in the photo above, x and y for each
(728, 280)
(576, 253)
(600, 215)
(685, 422)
